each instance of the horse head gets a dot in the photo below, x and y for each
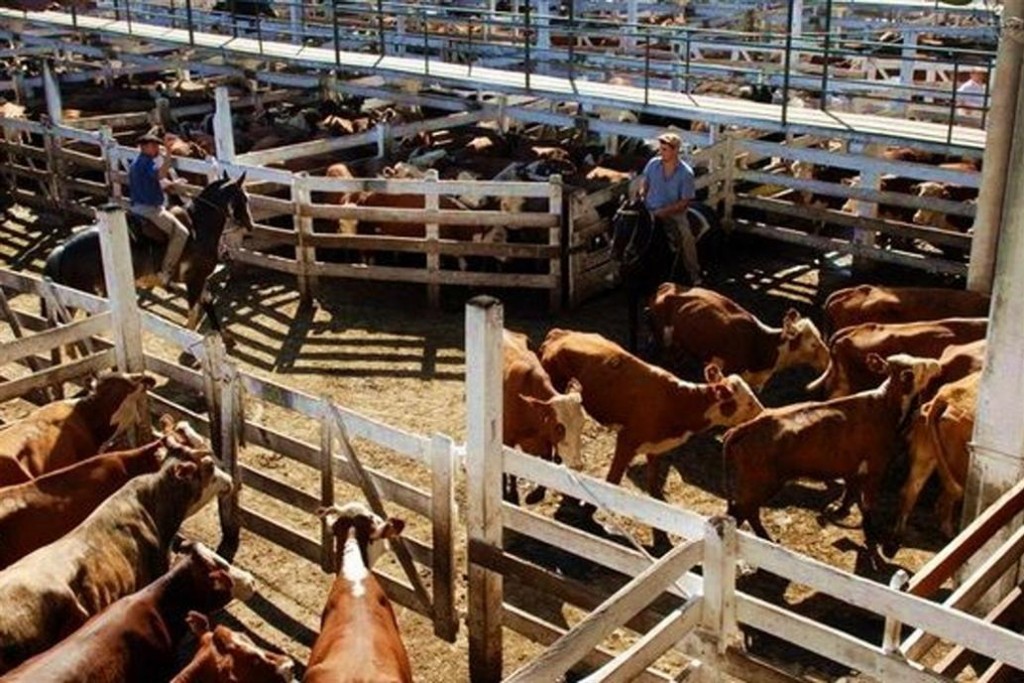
(631, 219)
(228, 199)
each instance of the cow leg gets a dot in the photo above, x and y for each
(945, 507)
(656, 489)
(624, 454)
(510, 488)
(850, 495)
(920, 470)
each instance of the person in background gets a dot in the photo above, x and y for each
(970, 97)
(667, 188)
(147, 178)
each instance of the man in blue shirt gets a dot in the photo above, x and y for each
(146, 180)
(667, 188)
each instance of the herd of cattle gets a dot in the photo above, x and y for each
(88, 591)
(899, 373)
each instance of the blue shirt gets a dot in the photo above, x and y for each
(143, 183)
(662, 191)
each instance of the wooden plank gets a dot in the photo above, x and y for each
(544, 633)
(265, 437)
(614, 556)
(959, 657)
(564, 653)
(280, 534)
(886, 227)
(903, 169)
(862, 193)
(278, 489)
(174, 372)
(328, 542)
(17, 349)
(948, 561)
(827, 244)
(484, 325)
(830, 642)
(395, 490)
(444, 520)
(971, 590)
(476, 188)
(645, 651)
(426, 216)
(991, 641)
(422, 245)
(104, 360)
(610, 497)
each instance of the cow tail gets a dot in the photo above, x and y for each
(52, 272)
(938, 409)
(729, 474)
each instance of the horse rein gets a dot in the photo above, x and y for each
(632, 239)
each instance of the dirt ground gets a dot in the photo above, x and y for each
(378, 350)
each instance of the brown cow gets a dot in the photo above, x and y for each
(875, 304)
(40, 511)
(64, 432)
(955, 363)
(712, 328)
(537, 418)
(853, 438)
(948, 192)
(937, 441)
(122, 546)
(359, 638)
(136, 638)
(654, 410)
(848, 372)
(226, 656)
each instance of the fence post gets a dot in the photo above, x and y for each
(327, 557)
(729, 186)
(295, 19)
(108, 145)
(119, 278)
(188, 18)
(305, 254)
(223, 130)
(718, 617)
(555, 189)
(484, 323)
(51, 90)
(891, 633)
(443, 517)
(908, 56)
(383, 131)
(224, 404)
(432, 202)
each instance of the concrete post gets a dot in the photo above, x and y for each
(997, 151)
(223, 130)
(909, 55)
(997, 458)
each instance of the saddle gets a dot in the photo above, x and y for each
(142, 230)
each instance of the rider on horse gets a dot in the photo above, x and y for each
(666, 188)
(147, 179)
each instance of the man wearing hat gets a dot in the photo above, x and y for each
(146, 180)
(666, 188)
(970, 97)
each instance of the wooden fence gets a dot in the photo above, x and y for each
(227, 389)
(708, 608)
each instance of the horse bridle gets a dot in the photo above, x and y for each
(630, 246)
(222, 249)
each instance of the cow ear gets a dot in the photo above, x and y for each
(877, 364)
(241, 178)
(906, 380)
(185, 470)
(574, 387)
(713, 373)
(197, 622)
(166, 423)
(392, 528)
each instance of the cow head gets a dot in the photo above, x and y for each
(217, 581)
(183, 431)
(562, 418)
(356, 520)
(931, 217)
(907, 376)
(118, 401)
(229, 655)
(196, 469)
(802, 342)
(734, 400)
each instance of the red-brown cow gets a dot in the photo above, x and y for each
(853, 438)
(40, 511)
(359, 638)
(937, 441)
(136, 638)
(537, 418)
(119, 548)
(849, 373)
(955, 363)
(64, 432)
(654, 410)
(226, 656)
(712, 328)
(874, 304)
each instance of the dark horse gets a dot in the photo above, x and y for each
(645, 255)
(78, 262)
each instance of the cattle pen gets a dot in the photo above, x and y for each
(696, 626)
